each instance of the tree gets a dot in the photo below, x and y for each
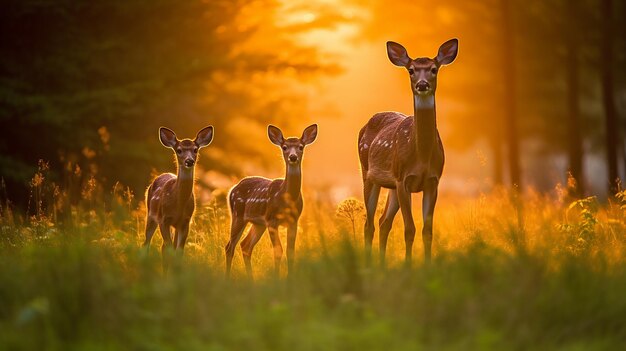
(511, 124)
(564, 49)
(69, 69)
(574, 125)
(608, 99)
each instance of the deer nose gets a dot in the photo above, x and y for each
(293, 158)
(422, 85)
(189, 162)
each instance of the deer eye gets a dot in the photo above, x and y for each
(411, 71)
(195, 150)
(300, 147)
(284, 147)
(179, 151)
(433, 70)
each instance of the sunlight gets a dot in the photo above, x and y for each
(298, 18)
(232, 175)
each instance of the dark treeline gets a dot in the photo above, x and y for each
(540, 81)
(85, 85)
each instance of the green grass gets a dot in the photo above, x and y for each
(548, 276)
(69, 293)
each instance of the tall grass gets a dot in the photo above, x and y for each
(546, 275)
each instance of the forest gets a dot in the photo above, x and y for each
(529, 232)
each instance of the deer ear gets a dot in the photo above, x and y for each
(397, 54)
(204, 136)
(167, 137)
(447, 52)
(309, 134)
(275, 135)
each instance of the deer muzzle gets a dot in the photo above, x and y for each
(422, 86)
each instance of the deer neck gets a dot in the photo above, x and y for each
(184, 184)
(293, 180)
(425, 126)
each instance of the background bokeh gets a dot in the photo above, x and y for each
(538, 89)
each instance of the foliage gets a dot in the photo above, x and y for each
(352, 210)
(85, 284)
(76, 291)
(621, 200)
(89, 83)
(582, 232)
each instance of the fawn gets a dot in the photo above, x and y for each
(169, 199)
(269, 203)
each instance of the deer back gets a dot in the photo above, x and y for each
(259, 200)
(387, 149)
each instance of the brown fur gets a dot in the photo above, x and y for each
(405, 154)
(170, 201)
(261, 201)
(391, 148)
(166, 210)
(268, 204)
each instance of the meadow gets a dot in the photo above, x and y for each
(515, 272)
(520, 262)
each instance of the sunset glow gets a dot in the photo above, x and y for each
(312, 175)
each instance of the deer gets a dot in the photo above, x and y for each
(268, 204)
(405, 154)
(170, 201)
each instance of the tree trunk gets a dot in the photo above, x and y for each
(498, 163)
(510, 109)
(621, 38)
(608, 100)
(575, 152)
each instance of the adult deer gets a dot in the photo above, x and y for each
(269, 203)
(169, 200)
(405, 153)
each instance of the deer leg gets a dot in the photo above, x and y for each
(292, 232)
(404, 199)
(181, 237)
(236, 228)
(278, 248)
(428, 209)
(247, 245)
(370, 195)
(175, 242)
(167, 245)
(151, 226)
(386, 221)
